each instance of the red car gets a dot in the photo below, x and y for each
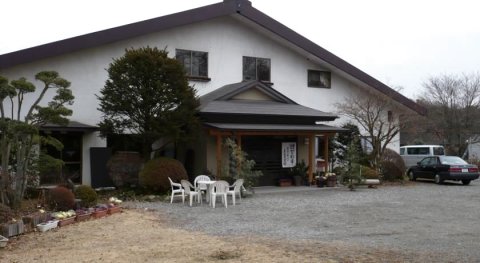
(441, 168)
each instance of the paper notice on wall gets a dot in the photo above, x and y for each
(289, 154)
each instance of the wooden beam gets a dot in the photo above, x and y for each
(215, 132)
(325, 151)
(311, 153)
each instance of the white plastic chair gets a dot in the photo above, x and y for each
(234, 189)
(219, 188)
(177, 190)
(191, 191)
(202, 187)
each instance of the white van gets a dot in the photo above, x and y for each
(412, 154)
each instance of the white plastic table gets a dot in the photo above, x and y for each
(209, 188)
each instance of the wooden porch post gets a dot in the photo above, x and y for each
(219, 154)
(311, 153)
(239, 144)
(325, 152)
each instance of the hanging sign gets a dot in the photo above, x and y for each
(289, 154)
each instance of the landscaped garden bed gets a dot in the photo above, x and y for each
(31, 218)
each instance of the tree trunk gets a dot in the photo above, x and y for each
(5, 180)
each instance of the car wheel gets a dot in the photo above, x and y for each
(411, 176)
(438, 179)
(466, 182)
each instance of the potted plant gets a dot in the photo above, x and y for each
(3, 241)
(13, 228)
(65, 218)
(100, 211)
(82, 215)
(331, 179)
(113, 206)
(320, 179)
(45, 226)
(32, 220)
(299, 173)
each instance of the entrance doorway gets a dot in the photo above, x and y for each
(266, 151)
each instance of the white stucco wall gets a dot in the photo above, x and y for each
(89, 140)
(226, 40)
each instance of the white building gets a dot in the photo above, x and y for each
(228, 42)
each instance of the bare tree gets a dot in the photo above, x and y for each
(379, 118)
(453, 104)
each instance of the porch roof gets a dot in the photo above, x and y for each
(71, 126)
(223, 106)
(275, 127)
(265, 108)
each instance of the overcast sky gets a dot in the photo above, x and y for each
(401, 43)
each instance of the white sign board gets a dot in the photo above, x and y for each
(289, 154)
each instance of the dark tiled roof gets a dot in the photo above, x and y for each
(263, 108)
(231, 90)
(220, 105)
(274, 127)
(227, 7)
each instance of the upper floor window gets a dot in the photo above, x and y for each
(319, 79)
(195, 63)
(256, 69)
(390, 116)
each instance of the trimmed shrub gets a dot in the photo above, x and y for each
(392, 166)
(87, 194)
(61, 199)
(155, 173)
(6, 214)
(369, 173)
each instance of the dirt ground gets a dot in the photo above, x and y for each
(140, 236)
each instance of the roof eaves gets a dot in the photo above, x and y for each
(116, 34)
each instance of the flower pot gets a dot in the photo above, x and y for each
(321, 181)
(100, 213)
(83, 217)
(32, 220)
(332, 181)
(114, 209)
(13, 229)
(42, 227)
(285, 182)
(298, 180)
(3, 241)
(66, 221)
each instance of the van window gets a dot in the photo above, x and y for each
(402, 151)
(418, 151)
(438, 151)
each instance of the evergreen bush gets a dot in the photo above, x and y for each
(155, 173)
(240, 167)
(61, 199)
(369, 173)
(87, 194)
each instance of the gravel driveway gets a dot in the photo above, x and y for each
(420, 216)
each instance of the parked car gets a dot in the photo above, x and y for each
(441, 168)
(412, 154)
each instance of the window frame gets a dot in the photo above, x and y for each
(189, 75)
(320, 84)
(257, 69)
